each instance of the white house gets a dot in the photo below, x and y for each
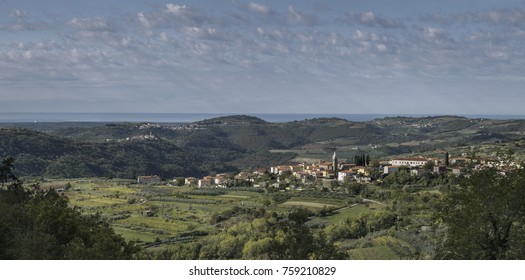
(412, 162)
(155, 179)
(390, 169)
(341, 175)
(204, 183)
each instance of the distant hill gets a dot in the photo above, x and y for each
(33, 150)
(38, 154)
(239, 142)
(234, 120)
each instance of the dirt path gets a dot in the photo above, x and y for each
(373, 201)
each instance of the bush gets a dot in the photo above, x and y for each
(281, 197)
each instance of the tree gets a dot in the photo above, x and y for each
(362, 160)
(485, 216)
(36, 224)
(353, 187)
(428, 166)
(179, 181)
(293, 240)
(7, 170)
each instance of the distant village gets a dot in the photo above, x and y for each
(330, 173)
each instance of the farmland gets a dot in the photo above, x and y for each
(164, 217)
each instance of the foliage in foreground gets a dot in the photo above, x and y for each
(260, 237)
(35, 224)
(486, 217)
(482, 218)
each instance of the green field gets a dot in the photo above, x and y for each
(159, 217)
(381, 248)
(307, 204)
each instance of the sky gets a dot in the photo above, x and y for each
(233, 56)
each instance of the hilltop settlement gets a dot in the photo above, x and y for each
(329, 175)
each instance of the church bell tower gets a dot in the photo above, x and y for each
(334, 163)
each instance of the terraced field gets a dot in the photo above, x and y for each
(163, 216)
(307, 204)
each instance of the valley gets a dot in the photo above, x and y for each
(271, 188)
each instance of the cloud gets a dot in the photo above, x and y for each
(178, 34)
(20, 20)
(175, 9)
(206, 33)
(436, 35)
(178, 51)
(382, 47)
(184, 15)
(173, 16)
(259, 8)
(296, 17)
(504, 17)
(92, 24)
(253, 13)
(18, 14)
(143, 19)
(293, 15)
(370, 19)
(97, 29)
(514, 17)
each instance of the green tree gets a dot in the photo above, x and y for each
(429, 166)
(362, 159)
(179, 181)
(294, 240)
(258, 249)
(353, 187)
(36, 224)
(7, 170)
(485, 217)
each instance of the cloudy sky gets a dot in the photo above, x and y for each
(234, 56)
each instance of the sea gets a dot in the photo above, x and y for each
(192, 117)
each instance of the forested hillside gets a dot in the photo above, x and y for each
(39, 154)
(126, 150)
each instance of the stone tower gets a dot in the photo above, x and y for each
(334, 163)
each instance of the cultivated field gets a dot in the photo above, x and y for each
(158, 216)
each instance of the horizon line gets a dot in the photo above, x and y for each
(275, 113)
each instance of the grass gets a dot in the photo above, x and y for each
(135, 235)
(235, 196)
(323, 200)
(307, 204)
(353, 212)
(125, 206)
(373, 253)
(383, 247)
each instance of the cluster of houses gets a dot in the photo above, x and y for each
(457, 165)
(149, 126)
(218, 180)
(149, 136)
(335, 171)
(326, 171)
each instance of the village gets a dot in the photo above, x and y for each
(330, 174)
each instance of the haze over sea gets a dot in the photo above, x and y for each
(192, 117)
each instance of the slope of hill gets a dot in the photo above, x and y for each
(38, 154)
(234, 120)
(238, 142)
